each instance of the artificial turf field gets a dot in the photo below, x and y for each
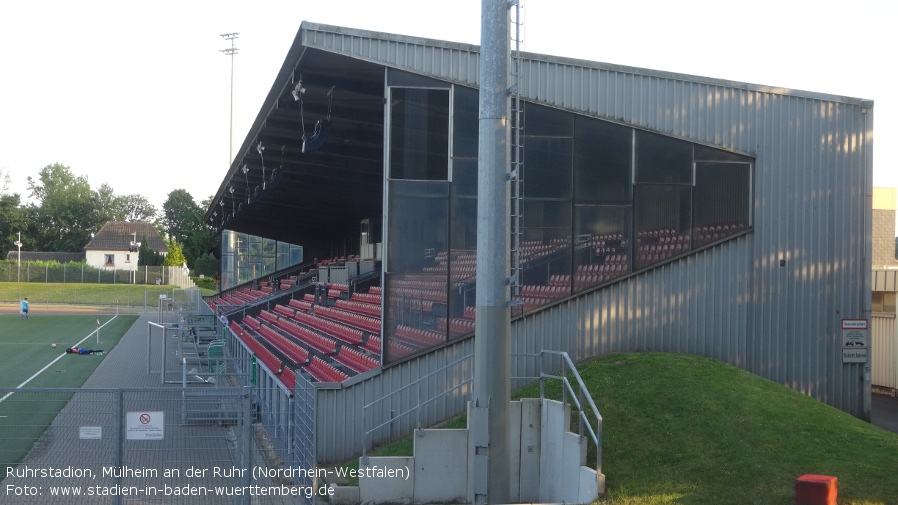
(25, 348)
(28, 360)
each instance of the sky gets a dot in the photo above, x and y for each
(137, 94)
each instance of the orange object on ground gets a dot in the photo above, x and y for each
(813, 489)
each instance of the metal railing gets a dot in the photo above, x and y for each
(419, 402)
(580, 397)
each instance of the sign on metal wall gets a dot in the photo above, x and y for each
(854, 340)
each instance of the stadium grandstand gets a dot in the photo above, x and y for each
(660, 212)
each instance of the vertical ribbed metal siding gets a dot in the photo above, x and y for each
(810, 185)
(339, 411)
(452, 62)
(884, 352)
(884, 335)
(733, 302)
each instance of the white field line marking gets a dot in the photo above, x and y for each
(29, 379)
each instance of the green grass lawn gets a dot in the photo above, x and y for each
(25, 347)
(26, 354)
(42, 295)
(689, 430)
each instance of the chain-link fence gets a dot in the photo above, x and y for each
(51, 272)
(125, 446)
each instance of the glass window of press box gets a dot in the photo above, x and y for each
(246, 257)
(599, 201)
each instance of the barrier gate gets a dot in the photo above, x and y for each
(133, 446)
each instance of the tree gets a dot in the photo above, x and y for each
(136, 207)
(66, 213)
(108, 205)
(175, 257)
(207, 265)
(12, 222)
(147, 256)
(182, 221)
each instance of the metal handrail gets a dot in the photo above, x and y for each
(416, 408)
(577, 397)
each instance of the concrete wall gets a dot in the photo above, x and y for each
(547, 464)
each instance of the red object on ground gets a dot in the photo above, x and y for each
(816, 490)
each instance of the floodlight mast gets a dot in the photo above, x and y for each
(491, 439)
(231, 51)
(18, 243)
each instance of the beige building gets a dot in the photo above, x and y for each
(884, 331)
(884, 200)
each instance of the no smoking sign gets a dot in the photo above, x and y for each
(145, 425)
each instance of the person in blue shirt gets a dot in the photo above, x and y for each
(25, 308)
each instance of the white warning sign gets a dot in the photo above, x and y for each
(145, 425)
(854, 333)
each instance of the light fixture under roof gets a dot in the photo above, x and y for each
(298, 90)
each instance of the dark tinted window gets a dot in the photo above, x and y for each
(419, 133)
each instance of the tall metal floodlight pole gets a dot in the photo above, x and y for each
(231, 51)
(492, 343)
(18, 243)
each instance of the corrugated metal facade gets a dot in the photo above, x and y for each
(770, 301)
(884, 358)
(884, 335)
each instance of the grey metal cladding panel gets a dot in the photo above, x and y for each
(441, 62)
(694, 305)
(341, 410)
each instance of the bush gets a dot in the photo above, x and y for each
(205, 283)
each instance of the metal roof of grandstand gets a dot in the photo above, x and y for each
(316, 195)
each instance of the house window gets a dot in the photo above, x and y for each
(127, 258)
(884, 303)
(110, 260)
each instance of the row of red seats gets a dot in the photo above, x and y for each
(261, 352)
(604, 268)
(368, 297)
(422, 305)
(319, 369)
(283, 310)
(458, 326)
(288, 379)
(294, 351)
(549, 292)
(421, 294)
(532, 303)
(366, 323)
(418, 337)
(325, 372)
(414, 284)
(366, 309)
(319, 342)
(587, 280)
(355, 360)
(350, 335)
(397, 349)
(268, 317)
(372, 344)
(303, 305)
(252, 323)
(338, 286)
